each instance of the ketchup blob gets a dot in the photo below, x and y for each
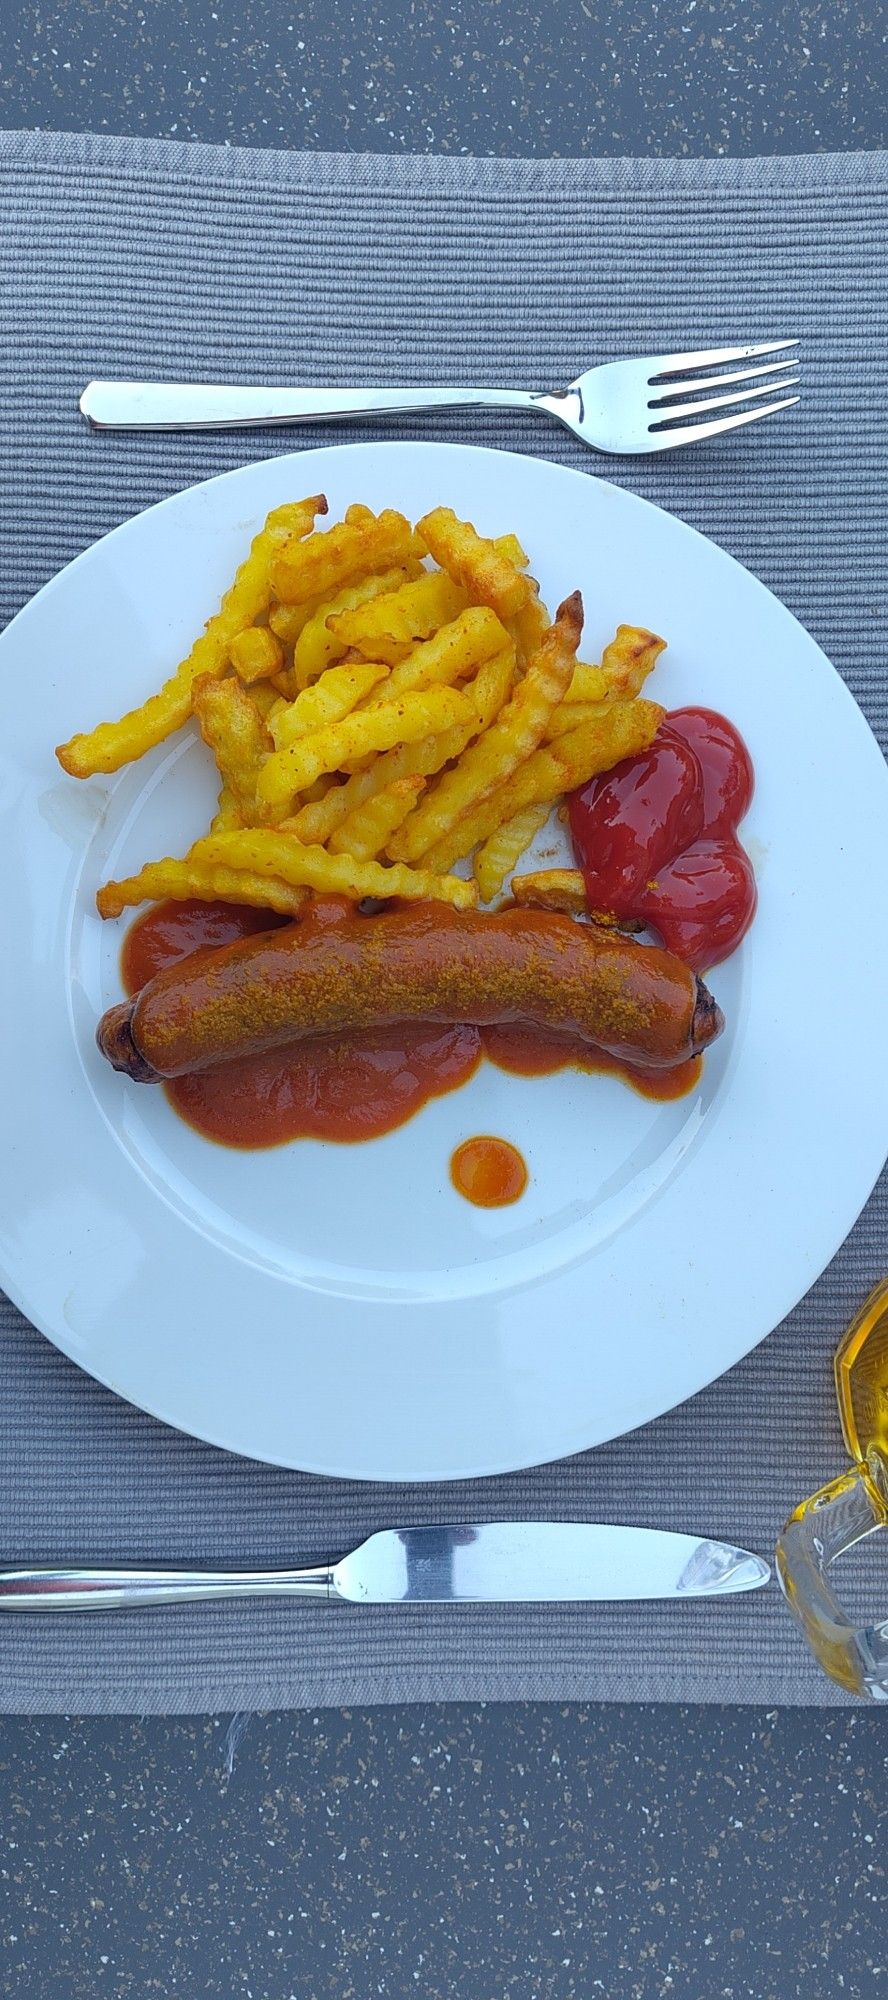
(656, 837)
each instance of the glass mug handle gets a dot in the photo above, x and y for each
(846, 1511)
(822, 1528)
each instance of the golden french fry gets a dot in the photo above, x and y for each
(453, 654)
(267, 698)
(518, 729)
(620, 730)
(256, 654)
(552, 889)
(570, 715)
(284, 858)
(354, 549)
(286, 621)
(500, 853)
(317, 645)
(628, 660)
(486, 574)
(487, 693)
(365, 830)
(288, 771)
(227, 812)
(294, 517)
(112, 744)
(317, 823)
(589, 684)
(530, 624)
(283, 684)
(178, 881)
(491, 689)
(232, 727)
(336, 693)
(509, 547)
(565, 889)
(320, 788)
(389, 626)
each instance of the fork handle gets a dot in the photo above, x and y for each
(184, 406)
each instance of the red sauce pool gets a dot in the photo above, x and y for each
(489, 1172)
(336, 1088)
(656, 837)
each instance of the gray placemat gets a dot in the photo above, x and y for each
(131, 258)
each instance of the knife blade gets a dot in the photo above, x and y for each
(492, 1562)
(538, 1562)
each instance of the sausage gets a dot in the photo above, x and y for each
(335, 970)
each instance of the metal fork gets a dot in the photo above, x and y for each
(624, 406)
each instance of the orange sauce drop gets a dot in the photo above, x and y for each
(490, 1172)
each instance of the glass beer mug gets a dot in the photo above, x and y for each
(851, 1507)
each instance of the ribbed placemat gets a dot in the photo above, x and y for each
(132, 258)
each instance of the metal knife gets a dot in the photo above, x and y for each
(497, 1562)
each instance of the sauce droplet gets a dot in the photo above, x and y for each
(490, 1172)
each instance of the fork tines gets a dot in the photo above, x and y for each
(673, 413)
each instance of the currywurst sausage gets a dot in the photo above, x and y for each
(337, 971)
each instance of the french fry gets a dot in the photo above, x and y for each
(500, 853)
(530, 624)
(288, 771)
(388, 627)
(294, 518)
(232, 727)
(279, 855)
(484, 572)
(588, 684)
(518, 729)
(227, 812)
(316, 645)
(365, 830)
(628, 660)
(256, 654)
(620, 730)
(112, 744)
(267, 698)
(487, 693)
(320, 788)
(178, 881)
(552, 889)
(356, 548)
(509, 547)
(453, 654)
(327, 700)
(317, 823)
(283, 684)
(570, 715)
(286, 621)
(565, 889)
(489, 690)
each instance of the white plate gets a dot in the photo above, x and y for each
(341, 1308)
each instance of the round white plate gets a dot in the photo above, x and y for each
(340, 1308)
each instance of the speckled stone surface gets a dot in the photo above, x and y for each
(537, 1852)
(455, 76)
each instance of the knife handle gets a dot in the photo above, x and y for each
(129, 1589)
